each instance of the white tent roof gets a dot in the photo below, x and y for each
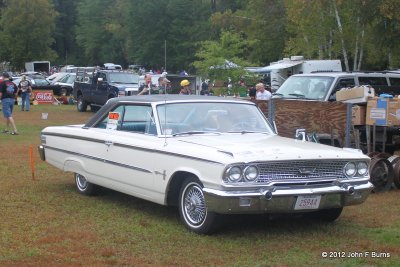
(281, 65)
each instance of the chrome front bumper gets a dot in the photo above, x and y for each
(278, 200)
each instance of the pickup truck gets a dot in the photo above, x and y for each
(95, 87)
(323, 86)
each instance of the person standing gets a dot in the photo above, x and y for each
(262, 94)
(25, 87)
(8, 92)
(163, 85)
(185, 90)
(204, 88)
(147, 87)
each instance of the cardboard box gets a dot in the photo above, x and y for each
(383, 112)
(394, 112)
(359, 94)
(358, 115)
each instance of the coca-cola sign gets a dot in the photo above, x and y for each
(43, 96)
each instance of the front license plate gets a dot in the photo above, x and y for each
(307, 202)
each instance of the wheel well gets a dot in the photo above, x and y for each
(175, 186)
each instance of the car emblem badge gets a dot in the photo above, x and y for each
(306, 171)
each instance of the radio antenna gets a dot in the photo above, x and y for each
(164, 74)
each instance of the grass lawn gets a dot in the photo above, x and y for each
(45, 222)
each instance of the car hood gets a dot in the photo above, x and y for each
(261, 147)
(126, 86)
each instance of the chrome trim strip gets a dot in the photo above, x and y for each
(286, 192)
(99, 159)
(74, 137)
(133, 147)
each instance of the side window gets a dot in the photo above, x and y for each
(373, 81)
(103, 123)
(344, 82)
(394, 81)
(133, 118)
(138, 119)
(341, 83)
(103, 76)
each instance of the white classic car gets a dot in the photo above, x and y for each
(207, 155)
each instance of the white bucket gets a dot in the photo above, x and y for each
(44, 116)
(19, 101)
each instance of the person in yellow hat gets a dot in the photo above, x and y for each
(185, 89)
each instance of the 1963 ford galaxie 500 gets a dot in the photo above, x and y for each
(207, 155)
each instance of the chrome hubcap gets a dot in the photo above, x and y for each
(194, 205)
(81, 181)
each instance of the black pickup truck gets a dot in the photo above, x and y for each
(95, 87)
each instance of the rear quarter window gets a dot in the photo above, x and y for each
(394, 81)
(373, 81)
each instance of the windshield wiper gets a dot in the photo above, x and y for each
(246, 132)
(194, 132)
(298, 95)
(278, 94)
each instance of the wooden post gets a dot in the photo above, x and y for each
(32, 162)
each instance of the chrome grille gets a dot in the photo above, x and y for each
(301, 170)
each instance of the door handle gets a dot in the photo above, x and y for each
(108, 143)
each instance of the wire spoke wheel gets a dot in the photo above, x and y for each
(194, 205)
(193, 208)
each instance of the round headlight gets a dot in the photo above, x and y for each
(362, 168)
(350, 169)
(234, 174)
(251, 173)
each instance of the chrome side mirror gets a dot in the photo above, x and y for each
(301, 135)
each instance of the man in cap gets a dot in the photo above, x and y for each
(163, 85)
(8, 92)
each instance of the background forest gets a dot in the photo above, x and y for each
(196, 34)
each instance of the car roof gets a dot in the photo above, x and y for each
(159, 99)
(349, 74)
(173, 98)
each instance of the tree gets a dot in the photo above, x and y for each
(262, 23)
(27, 27)
(222, 59)
(64, 33)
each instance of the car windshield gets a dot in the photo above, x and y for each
(307, 87)
(121, 77)
(41, 81)
(212, 117)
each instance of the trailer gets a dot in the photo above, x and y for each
(277, 72)
(38, 66)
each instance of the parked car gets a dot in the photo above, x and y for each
(208, 156)
(39, 82)
(66, 83)
(323, 86)
(55, 76)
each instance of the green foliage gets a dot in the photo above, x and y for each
(262, 24)
(169, 33)
(27, 27)
(221, 60)
(64, 34)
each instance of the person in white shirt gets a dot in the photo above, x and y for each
(262, 94)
